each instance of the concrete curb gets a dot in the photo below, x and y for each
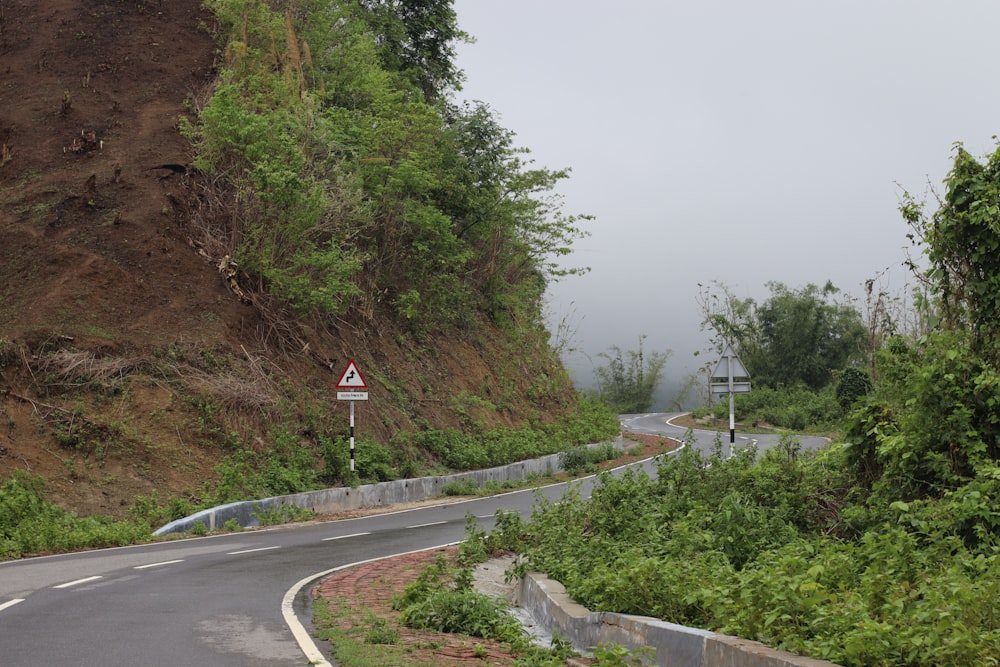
(676, 645)
(339, 499)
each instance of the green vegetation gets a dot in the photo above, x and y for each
(772, 548)
(797, 337)
(628, 385)
(807, 354)
(357, 184)
(445, 601)
(31, 525)
(881, 551)
(583, 459)
(458, 451)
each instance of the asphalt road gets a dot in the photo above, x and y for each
(206, 601)
(218, 600)
(705, 441)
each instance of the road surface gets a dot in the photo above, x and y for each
(218, 600)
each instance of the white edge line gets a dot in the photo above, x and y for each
(313, 655)
(250, 551)
(166, 562)
(11, 603)
(343, 537)
(78, 581)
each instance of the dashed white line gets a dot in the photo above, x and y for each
(78, 582)
(10, 603)
(250, 551)
(424, 525)
(344, 537)
(166, 562)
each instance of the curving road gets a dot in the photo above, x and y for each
(208, 601)
(660, 424)
(218, 600)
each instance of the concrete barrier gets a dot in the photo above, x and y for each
(343, 498)
(676, 645)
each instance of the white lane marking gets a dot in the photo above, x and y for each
(343, 537)
(485, 516)
(250, 551)
(424, 525)
(10, 603)
(78, 582)
(166, 562)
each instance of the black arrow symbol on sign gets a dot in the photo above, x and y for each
(350, 376)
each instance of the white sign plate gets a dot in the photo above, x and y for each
(352, 395)
(723, 387)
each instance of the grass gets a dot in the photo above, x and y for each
(350, 645)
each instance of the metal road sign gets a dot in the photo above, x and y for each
(729, 368)
(351, 378)
(724, 382)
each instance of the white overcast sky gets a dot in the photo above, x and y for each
(735, 141)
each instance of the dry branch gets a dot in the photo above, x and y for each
(84, 368)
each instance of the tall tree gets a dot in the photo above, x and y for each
(417, 38)
(805, 335)
(629, 379)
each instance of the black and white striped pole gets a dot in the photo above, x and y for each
(351, 381)
(352, 436)
(730, 377)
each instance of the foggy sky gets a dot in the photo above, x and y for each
(731, 141)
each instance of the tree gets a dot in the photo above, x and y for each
(939, 405)
(629, 379)
(417, 38)
(804, 336)
(354, 191)
(962, 242)
(795, 337)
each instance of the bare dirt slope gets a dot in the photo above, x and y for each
(102, 287)
(93, 252)
(90, 96)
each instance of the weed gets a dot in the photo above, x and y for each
(466, 487)
(380, 632)
(614, 655)
(276, 514)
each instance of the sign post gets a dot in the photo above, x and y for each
(730, 377)
(351, 381)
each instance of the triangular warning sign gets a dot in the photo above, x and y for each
(351, 378)
(722, 368)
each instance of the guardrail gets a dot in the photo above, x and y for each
(343, 498)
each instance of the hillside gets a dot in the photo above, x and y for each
(130, 363)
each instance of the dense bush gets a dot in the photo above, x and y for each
(31, 525)
(769, 547)
(591, 422)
